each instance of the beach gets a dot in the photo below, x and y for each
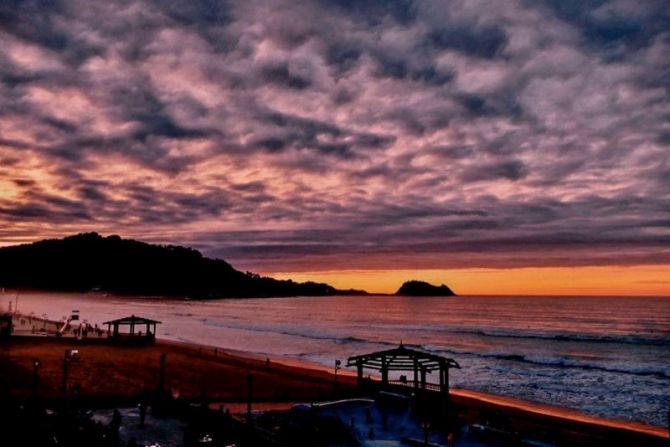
(605, 357)
(111, 374)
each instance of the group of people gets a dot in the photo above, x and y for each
(83, 330)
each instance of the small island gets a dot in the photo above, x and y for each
(422, 288)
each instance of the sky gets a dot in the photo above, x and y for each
(509, 146)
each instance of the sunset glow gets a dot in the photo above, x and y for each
(515, 147)
(596, 281)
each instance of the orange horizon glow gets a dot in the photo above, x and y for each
(642, 280)
(636, 280)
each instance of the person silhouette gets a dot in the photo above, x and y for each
(114, 426)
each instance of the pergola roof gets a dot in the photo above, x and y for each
(132, 320)
(402, 359)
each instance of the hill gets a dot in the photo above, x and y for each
(90, 261)
(421, 288)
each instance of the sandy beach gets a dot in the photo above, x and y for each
(114, 374)
(108, 371)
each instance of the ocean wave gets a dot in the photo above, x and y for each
(561, 362)
(348, 340)
(661, 340)
(589, 338)
(302, 333)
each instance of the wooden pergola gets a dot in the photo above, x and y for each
(132, 322)
(405, 359)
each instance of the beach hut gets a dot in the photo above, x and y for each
(139, 329)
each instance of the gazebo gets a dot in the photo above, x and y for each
(406, 359)
(132, 322)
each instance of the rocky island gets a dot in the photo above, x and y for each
(422, 288)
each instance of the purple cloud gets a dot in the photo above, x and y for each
(357, 134)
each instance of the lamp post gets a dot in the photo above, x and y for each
(338, 365)
(36, 375)
(425, 425)
(161, 373)
(69, 356)
(250, 387)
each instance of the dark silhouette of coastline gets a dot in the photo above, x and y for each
(91, 262)
(421, 288)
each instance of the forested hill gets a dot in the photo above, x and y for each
(90, 261)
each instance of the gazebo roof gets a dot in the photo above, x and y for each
(402, 359)
(132, 320)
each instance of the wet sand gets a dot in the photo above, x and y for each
(117, 373)
(556, 412)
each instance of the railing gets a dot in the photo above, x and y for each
(410, 384)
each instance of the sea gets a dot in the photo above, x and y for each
(604, 356)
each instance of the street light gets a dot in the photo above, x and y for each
(70, 355)
(36, 374)
(425, 425)
(338, 365)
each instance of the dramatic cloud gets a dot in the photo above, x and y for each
(287, 135)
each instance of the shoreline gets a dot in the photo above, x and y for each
(567, 414)
(195, 368)
(538, 408)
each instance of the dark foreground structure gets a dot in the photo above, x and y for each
(5, 325)
(132, 323)
(405, 359)
(179, 388)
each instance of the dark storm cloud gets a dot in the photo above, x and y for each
(286, 131)
(374, 12)
(343, 133)
(470, 39)
(626, 23)
(344, 56)
(47, 207)
(510, 170)
(473, 238)
(280, 74)
(197, 13)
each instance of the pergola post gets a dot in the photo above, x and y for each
(359, 371)
(416, 372)
(423, 377)
(446, 380)
(444, 391)
(385, 371)
(442, 376)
